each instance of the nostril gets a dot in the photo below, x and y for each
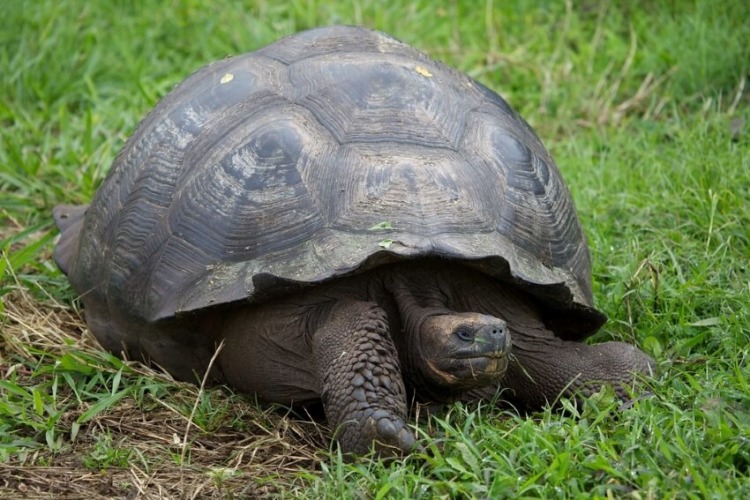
(497, 331)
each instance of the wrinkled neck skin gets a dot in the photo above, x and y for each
(420, 378)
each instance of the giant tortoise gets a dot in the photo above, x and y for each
(359, 225)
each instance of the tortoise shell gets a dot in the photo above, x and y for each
(323, 155)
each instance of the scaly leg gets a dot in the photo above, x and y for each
(362, 388)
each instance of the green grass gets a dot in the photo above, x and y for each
(646, 108)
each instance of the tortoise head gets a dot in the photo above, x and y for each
(461, 350)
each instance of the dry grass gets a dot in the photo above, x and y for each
(230, 460)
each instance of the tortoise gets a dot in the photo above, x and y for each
(355, 225)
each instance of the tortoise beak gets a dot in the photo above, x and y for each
(496, 339)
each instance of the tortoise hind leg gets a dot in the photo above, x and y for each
(362, 388)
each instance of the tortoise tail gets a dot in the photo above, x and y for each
(69, 219)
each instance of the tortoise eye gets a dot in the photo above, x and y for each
(465, 334)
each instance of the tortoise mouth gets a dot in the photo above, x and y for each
(497, 366)
(483, 350)
(488, 355)
(469, 371)
(494, 363)
(489, 365)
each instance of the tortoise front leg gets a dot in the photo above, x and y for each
(362, 388)
(544, 369)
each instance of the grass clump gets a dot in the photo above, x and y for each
(644, 105)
